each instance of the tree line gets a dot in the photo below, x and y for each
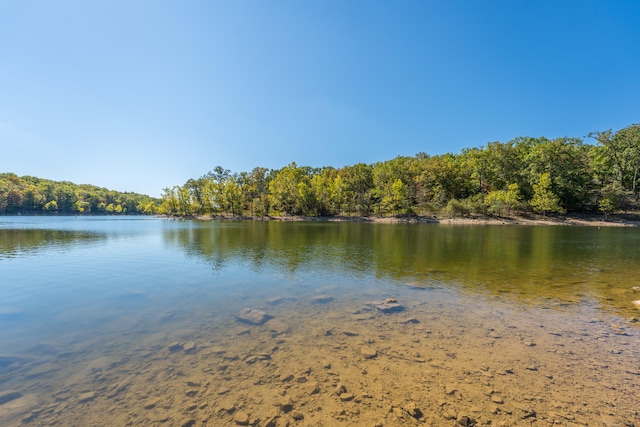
(31, 195)
(523, 175)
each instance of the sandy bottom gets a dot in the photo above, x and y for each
(441, 361)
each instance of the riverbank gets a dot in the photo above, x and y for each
(565, 220)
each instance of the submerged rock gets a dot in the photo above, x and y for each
(189, 347)
(636, 303)
(412, 409)
(175, 346)
(321, 299)
(312, 387)
(277, 327)
(241, 418)
(86, 397)
(368, 352)
(465, 421)
(285, 404)
(345, 397)
(253, 316)
(389, 305)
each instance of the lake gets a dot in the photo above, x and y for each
(146, 321)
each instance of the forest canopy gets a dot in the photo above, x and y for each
(31, 195)
(523, 175)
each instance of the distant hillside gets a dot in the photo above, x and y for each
(31, 195)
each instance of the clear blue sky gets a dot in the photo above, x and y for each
(138, 95)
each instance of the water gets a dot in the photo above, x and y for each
(132, 321)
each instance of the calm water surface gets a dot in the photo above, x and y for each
(114, 297)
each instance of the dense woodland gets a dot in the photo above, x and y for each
(30, 195)
(524, 175)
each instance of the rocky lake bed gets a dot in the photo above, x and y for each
(324, 361)
(151, 322)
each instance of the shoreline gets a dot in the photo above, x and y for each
(622, 220)
(578, 220)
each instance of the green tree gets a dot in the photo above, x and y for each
(233, 199)
(359, 186)
(338, 194)
(287, 188)
(14, 201)
(455, 209)
(256, 191)
(320, 185)
(612, 198)
(79, 206)
(184, 201)
(398, 199)
(442, 178)
(170, 204)
(617, 165)
(498, 165)
(32, 199)
(569, 166)
(196, 195)
(394, 180)
(51, 206)
(504, 201)
(544, 200)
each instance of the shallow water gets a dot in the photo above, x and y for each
(132, 321)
